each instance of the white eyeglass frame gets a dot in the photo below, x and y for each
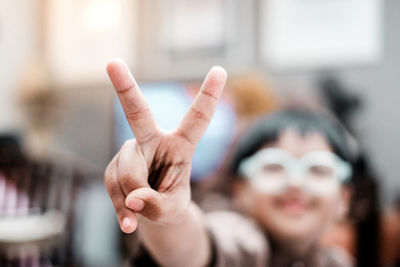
(251, 167)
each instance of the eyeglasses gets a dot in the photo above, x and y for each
(272, 170)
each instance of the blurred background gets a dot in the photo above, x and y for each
(60, 119)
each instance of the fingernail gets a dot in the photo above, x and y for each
(126, 223)
(136, 204)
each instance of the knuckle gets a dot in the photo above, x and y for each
(208, 94)
(138, 114)
(125, 90)
(184, 136)
(199, 115)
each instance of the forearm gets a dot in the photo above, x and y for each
(185, 243)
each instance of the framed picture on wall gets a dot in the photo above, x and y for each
(195, 26)
(312, 34)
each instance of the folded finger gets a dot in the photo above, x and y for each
(132, 168)
(126, 217)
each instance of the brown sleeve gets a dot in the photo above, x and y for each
(236, 241)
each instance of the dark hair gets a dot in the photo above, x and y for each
(268, 128)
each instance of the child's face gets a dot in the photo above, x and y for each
(295, 213)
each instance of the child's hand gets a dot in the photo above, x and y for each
(150, 175)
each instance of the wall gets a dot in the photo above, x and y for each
(18, 43)
(380, 119)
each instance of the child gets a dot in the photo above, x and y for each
(289, 175)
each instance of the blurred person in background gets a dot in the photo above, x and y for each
(289, 184)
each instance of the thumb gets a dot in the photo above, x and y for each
(145, 201)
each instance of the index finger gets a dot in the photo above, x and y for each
(133, 102)
(197, 119)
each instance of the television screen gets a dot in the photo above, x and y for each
(169, 102)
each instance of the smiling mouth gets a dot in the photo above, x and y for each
(293, 206)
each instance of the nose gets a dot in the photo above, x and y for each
(295, 179)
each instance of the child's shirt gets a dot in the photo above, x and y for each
(237, 241)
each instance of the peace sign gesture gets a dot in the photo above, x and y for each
(150, 175)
